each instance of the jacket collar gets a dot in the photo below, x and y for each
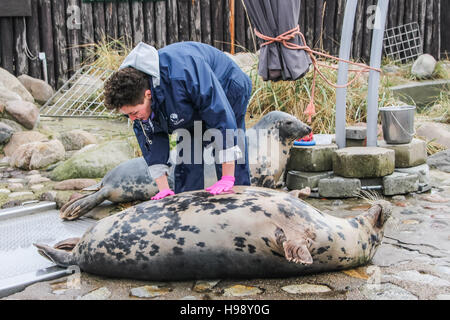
(157, 95)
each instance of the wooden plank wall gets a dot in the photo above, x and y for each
(50, 28)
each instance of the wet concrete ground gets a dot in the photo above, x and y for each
(413, 262)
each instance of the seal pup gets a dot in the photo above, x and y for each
(282, 129)
(130, 180)
(250, 233)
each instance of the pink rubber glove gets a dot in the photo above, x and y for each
(163, 194)
(223, 185)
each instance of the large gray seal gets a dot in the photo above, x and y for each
(130, 181)
(252, 232)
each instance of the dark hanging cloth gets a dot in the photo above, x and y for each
(273, 18)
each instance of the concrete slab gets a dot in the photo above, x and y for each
(359, 162)
(297, 180)
(400, 183)
(408, 155)
(421, 94)
(386, 291)
(316, 158)
(355, 143)
(339, 187)
(423, 171)
(356, 133)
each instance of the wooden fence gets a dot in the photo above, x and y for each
(58, 27)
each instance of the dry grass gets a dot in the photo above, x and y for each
(288, 96)
(293, 97)
(108, 53)
(432, 146)
(440, 110)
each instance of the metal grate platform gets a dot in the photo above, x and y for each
(20, 263)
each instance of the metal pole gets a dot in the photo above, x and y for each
(374, 76)
(344, 53)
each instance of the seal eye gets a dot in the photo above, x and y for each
(289, 123)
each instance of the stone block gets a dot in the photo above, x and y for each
(339, 187)
(355, 143)
(356, 133)
(423, 171)
(408, 155)
(363, 162)
(371, 182)
(400, 183)
(297, 180)
(316, 158)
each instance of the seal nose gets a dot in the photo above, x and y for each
(308, 129)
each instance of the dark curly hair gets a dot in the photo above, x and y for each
(125, 87)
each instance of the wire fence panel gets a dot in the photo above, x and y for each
(403, 43)
(80, 96)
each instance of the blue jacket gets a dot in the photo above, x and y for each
(197, 82)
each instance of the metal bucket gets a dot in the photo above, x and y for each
(398, 124)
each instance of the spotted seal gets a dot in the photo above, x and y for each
(282, 129)
(130, 181)
(252, 232)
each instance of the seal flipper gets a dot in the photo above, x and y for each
(60, 257)
(67, 244)
(78, 207)
(94, 187)
(295, 250)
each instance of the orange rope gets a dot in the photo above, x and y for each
(291, 34)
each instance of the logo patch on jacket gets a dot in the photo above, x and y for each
(175, 120)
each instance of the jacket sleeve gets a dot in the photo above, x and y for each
(155, 151)
(201, 89)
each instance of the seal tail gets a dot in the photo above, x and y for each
(59, 257)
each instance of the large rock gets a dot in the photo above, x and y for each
(25, 113)
(36, 155)
(438, 132)
(20, 138)
(363, 162)
(440, 160)
(14, 125)
(11, 83)
(7, 95)
(39, 89)
(77, 139)
(74, 184)
(94, 163)
(424, 66)
(5, 133)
